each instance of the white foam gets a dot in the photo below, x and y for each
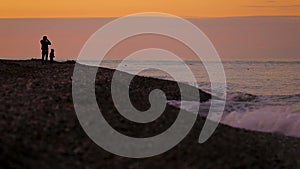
(276, 119)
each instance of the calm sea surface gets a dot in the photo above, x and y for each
(259, 78)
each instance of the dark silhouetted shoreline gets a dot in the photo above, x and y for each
(39, 127)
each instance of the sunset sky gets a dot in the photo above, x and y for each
(116, 8)
(239, 29)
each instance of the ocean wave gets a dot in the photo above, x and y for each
(275, 119)
(265, 99)
(241, 97)
(275, 113)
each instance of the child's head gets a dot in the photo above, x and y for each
(52, 50)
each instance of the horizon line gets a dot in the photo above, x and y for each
(186, 17)
(114, 59)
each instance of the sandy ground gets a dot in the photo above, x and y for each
(39, 127)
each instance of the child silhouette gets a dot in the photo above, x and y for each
(52, 55)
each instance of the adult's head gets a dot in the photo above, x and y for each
(45, 38)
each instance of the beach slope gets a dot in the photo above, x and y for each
(39, 127)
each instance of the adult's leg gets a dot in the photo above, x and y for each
(46, 59)
(43, 55)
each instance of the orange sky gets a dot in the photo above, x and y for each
(116, 8)
(238, 38)
(264, 38)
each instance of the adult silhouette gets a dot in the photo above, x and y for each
(45, 50)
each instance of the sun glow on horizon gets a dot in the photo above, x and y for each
(117, 8)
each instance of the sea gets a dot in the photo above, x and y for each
(260, 95)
